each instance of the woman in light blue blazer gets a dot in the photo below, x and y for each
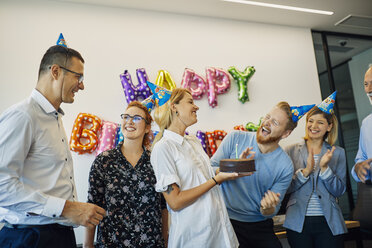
(313, 217)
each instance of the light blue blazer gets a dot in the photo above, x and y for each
(327, 190)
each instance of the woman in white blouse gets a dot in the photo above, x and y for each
(188, 182)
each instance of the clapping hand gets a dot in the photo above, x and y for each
(309, 164)
(326, 158)
(269, 202)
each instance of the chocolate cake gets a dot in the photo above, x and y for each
(237, 165)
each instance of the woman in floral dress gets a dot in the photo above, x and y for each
(122, 182)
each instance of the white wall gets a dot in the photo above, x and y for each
(112, 39)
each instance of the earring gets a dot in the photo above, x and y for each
(177, 113)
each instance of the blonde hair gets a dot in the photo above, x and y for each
(163, 115)
(331, 136)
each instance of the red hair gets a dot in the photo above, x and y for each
(148, 136)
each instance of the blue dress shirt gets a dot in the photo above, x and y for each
(365, 146)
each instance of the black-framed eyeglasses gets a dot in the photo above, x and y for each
(136, 118)
(81, 76)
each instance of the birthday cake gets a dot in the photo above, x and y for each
(240, 166)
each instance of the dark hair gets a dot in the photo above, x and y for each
(287, 109)
(148, 136)
(58, 55)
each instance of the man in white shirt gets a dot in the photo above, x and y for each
(38, 201)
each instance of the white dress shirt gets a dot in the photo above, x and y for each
(204, 223)
(36, 171)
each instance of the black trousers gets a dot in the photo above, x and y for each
(43, 236)
(315, 234)
(256, 234)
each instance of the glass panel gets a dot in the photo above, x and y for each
(348, 70)
(321, 65)
(349, 59)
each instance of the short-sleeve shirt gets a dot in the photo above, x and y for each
(204, 223)
(128, 195)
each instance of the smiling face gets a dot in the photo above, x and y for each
(368, 84)
(317, 126)
(186, 110)
(134, 128)
(273, 127)
(70, 83)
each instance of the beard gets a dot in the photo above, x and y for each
(266, 140)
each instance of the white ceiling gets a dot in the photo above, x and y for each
(220, 9)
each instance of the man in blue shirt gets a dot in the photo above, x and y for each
(38, 201)
(361, 170)
(251, 201)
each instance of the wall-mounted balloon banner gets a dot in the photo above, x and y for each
(216, 82)
(119, 136)
(84, 135)
(242, 79)
(204, 142)
(108, 136)
(137, 92)
(250, 126)
(240, 128)
(193, 82)
(214, 139)
(90, 133)
(165, 80)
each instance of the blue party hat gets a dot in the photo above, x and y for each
(160, 95)
(61, 41)
(149, 103)
(299, 111)
(327, 105)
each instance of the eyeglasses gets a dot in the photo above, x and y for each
(81, 76)
(275, 122)
(136, 118)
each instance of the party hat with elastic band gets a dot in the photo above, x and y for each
(327, 105)
(61, 41)
(299, 111)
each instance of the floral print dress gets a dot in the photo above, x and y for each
(128, 195)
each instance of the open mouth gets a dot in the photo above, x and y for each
(314, 131)
(130, 128)
(265, 131)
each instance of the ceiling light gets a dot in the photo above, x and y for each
(271, 5)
